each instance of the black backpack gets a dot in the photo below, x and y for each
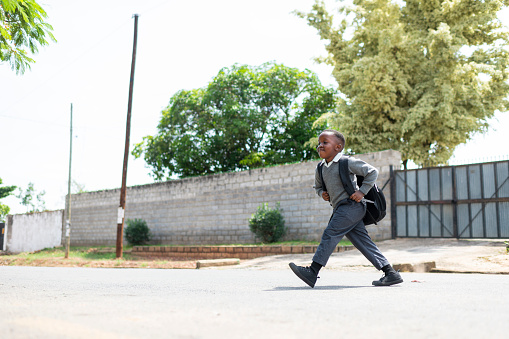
(376, 206)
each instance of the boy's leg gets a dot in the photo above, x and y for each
(360, 238)
(362, 241)
(346, 217)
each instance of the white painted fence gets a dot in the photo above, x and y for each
(33, 232)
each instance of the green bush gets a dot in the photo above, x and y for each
(268, 224)
(137, 232)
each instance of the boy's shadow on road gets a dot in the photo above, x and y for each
(293, 288)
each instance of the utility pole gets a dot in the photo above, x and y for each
(121, 208)
(68, 219)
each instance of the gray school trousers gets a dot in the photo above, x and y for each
(346, 220)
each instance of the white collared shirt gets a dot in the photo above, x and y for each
(336, 159)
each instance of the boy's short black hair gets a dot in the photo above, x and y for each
(338, 135)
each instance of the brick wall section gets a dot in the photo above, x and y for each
(215, 209)
(220, 252)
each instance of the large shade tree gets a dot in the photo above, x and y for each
(417, 76)
(246, 117)
(22, 31)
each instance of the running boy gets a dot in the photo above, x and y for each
(347, 214)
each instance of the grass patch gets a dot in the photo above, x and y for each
(95, 257)
(85, 253)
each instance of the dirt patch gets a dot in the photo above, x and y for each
(483, 256)
(171, 263)
(500, 259)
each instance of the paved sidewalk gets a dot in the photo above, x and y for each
(449, 255)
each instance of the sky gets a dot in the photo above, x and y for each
(181, 45)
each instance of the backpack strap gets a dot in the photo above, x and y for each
(344, 174)
(320, 170)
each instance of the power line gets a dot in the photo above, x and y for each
(151, 9)
(82, 129)
(34, 121)
(59, 71)
(85, 52)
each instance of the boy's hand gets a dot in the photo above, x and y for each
(357, 196)
(325, 196)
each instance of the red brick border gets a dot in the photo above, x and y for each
(219, 252)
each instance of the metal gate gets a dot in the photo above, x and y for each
(467, 201)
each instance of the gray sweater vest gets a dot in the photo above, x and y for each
(333, 181)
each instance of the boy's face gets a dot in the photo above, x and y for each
(328, 146)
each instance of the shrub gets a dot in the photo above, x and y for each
(137, 232)
(268, 224)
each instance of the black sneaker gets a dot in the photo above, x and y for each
(305, 273)
(389, 279)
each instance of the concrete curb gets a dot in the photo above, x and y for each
(441, 270)
(217, 262)
(430, 267)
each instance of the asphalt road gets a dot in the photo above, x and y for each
(41, 302)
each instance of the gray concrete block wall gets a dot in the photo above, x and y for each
(215, 209)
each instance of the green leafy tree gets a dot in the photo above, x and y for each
(22, 31)
(417, 76)
(246, 117)
(5, 192)
(32, 200)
